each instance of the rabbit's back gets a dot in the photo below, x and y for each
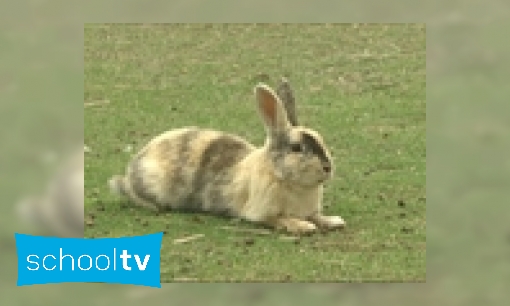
(187, 169)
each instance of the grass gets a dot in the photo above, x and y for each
(361, 86)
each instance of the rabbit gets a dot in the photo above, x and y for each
(278, 185)
(58, 210)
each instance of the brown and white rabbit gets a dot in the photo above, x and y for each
(279, 185)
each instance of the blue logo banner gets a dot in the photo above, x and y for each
(125, 260)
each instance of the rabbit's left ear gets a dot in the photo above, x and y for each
(271, 109)
(286, 95)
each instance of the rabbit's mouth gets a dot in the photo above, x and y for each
(327, 176)
(323, 180)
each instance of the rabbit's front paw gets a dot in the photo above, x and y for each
(328, 222)
(296, 226)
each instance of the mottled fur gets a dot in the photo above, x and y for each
(279, 184)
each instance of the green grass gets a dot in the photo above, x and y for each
(362, 87)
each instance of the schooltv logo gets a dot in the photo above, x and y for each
(125, 260)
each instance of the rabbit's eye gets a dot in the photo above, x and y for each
(296, 147)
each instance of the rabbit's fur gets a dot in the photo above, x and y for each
(58, 211)
(279, 184)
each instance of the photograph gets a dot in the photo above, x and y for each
(262, 152)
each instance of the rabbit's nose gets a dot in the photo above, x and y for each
(327, 168)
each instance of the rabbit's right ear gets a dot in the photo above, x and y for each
(271, 109)
(286, 94)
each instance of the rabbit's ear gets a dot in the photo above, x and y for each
(271, 109)
(286, 95)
